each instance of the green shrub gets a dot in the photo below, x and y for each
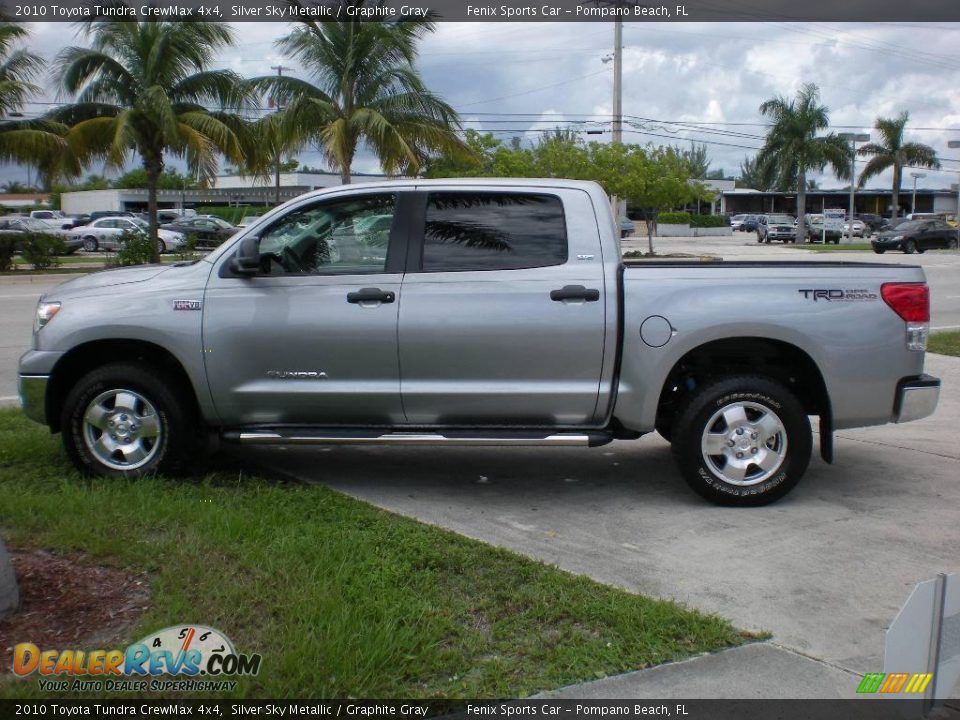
(136, 248)
(41, 249)
(707, 221)
(673, 218)
(8, 248)
(188, 253)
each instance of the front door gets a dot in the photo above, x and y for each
(312, 339)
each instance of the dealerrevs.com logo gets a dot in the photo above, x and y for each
(178, 658)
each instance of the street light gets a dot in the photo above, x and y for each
(854, 138)
(953, 144)
(913, 203)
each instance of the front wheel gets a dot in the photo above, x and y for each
(909, 247)
(90, 244)
(128, 420)
(161, 248)
(879, 251)
(742, 441)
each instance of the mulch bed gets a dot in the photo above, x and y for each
(68, 603)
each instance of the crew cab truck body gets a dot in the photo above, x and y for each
(481, 312)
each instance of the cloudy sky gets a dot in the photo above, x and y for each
(681, 82)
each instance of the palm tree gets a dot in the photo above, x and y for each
(894, 152)
(793, 148)
(144, 87)
(363, 89)
(27, 141)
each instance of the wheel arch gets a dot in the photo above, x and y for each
(93, 354)
(777, 359)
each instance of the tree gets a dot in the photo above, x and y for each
(479, 163)
(792, 147)
(696, 159)
(145, 87)
(22, 140)
(15, 186)
(893, 152)
(363, 89)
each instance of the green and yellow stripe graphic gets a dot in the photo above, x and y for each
(892, 683)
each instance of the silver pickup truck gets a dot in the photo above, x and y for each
(476, 312)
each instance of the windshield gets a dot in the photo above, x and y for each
(779, 219)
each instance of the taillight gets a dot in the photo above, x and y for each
(911, 301)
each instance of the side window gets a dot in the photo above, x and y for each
(493, 231)
(348, 236)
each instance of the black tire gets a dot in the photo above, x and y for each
(952, 245)
(879, 251)
(764, 401)
(90, 244)
(161, 248)
(174, 415)
(759, 239)
(909, 247)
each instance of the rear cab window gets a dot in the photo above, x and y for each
(469, 231)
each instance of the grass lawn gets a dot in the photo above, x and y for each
(945, 343)
(843, 247)
(340, 598)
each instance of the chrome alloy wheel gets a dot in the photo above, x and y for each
(744, 443)
(122, 429)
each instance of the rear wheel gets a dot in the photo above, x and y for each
(161, 248)
(129, 420)
(879, 251)
(90, 244)
(742, 440)
(909, 247)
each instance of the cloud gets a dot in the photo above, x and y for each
(680, 81)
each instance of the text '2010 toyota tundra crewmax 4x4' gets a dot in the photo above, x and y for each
(476, 312)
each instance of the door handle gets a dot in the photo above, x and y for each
(370, 295)
(574, 292)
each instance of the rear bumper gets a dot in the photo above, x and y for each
(33, 396)
(916, 398)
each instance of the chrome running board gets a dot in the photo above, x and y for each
(301, 437)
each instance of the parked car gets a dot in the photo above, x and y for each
(858, 228)
(21, 227)
(916, 236)
(874, 223)
(816, 232)
(558, 341)
(53, 219)
(750, 223)
(736, 221)
(627, 228)
(776, 227)
(72, 221)
(105, 234)
(209, 231)
(97, 214)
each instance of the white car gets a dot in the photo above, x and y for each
(105, 233)
(736, 221)
(858, 228)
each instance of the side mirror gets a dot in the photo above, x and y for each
(246, 261)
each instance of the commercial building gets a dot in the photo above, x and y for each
(229, 190)
(878, 202)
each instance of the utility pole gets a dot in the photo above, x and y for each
(953, 144)
(279, 69)
(854, 138)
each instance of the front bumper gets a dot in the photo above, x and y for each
(33, 396)
(916, 398)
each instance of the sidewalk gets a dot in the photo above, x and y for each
(759, 670)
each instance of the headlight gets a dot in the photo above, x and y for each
(897, 238)
(45, 313)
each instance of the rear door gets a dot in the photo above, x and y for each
(503, 318)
